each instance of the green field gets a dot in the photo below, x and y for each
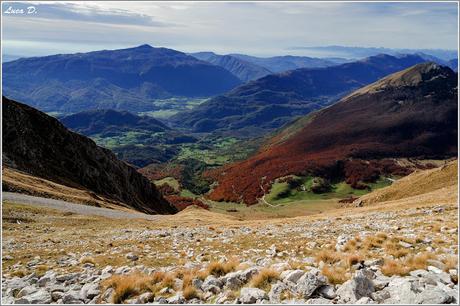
(126, 138)
(170, 181)
(216, 151)
(281, 192)
(169, 107)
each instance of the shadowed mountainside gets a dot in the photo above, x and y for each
(412, 113)
(110, 121)
(40, 145)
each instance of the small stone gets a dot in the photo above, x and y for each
(405, 244)
(89, 291)
(26, 291)
(41, 296)
(145, 298)
(178, 298)
(434, 269)
(327, 292)
(132, 256)
(56, 295)
(71, 297)
(436, 263)
(364, 300)
(374, 262)
(251, 295)
(318, 301)
(211, 283)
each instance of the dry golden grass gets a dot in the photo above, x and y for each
(451, 262)
(126, 286)
(353, 259)
(88, 260)
(168, 281)
(418, 261)
(19, 273)
(373, 242)
(264, 278)
(418, 183)
(394, 267)
(335, 274)
(157, 276)
(218, 268)
(190, 292)
(351, 245)
(328, 257)
(394, 249)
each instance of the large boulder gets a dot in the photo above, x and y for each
(402, 291)
(212, 284)
(433, 295)
(251, 295)
(359, 286)
(291, 275)
(40, 296)
(309, 282)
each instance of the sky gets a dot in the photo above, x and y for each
(255, 28)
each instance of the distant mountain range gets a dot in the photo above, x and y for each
(265, 104)
(248, 68)
(409, 114)
(361, 52)
(126, 79)
(289, 62)
(242, 69)
(40, 145)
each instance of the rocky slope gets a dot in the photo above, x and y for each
(40, 145)
(272, 101)
(408, 114)
(126, 79)
(402, 252)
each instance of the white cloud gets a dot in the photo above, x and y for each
(259, 28)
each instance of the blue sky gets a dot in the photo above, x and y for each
(257, 28)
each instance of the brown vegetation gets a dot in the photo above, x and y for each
(350, 139)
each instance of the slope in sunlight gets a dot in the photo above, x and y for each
(412, 113)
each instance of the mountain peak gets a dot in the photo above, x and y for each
(412, 76)
(144, 46)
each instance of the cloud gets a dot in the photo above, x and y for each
(84, 13)
(258, 28)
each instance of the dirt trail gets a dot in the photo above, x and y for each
(75, 208)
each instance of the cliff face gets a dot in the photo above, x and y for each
(38, 144)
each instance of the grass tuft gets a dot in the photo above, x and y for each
(263, 279)
(335, 274)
